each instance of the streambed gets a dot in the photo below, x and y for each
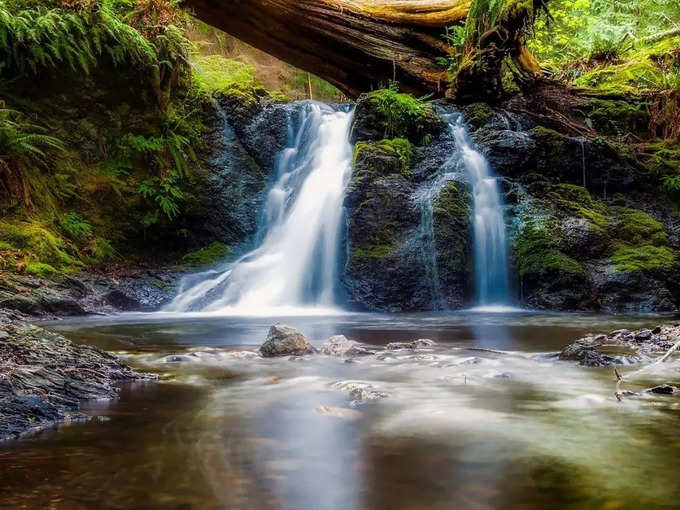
(485, 418)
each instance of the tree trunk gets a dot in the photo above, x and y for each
(354, 44)
(359, 45)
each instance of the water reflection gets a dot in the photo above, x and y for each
(481, 420)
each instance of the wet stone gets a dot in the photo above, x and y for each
(44, 377)
(285, 340)
(663, 389)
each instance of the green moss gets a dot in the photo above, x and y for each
(579, 202)
(537, 253)
(215, 252)
(477, 114)
(371, 252)
(215, 73)
(645, 257)
(401, 115)
(40, 270)
(451, 213)
(39, 244)
(374, 154)
(636, 227)
(641, 68)
(615, 116)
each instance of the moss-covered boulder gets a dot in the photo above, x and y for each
(387, 113)
(573, 251)
(380, 217)
(452, 230)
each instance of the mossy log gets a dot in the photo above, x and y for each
(356, 45)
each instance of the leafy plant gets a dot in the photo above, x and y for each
(23, 147)
(75, 227)
(166, 193)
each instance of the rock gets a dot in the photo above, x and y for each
(663, 389)
(644, 334)
(339, 412)
(43, 378)
(340, 346)
(421, 343)
(622, 346)
(360, 392)
(285, 340)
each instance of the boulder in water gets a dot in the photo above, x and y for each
(622, 346)
(285, 340)
(340, 346)
(421, 343)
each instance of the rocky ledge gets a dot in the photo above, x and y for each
(44, 377)
(622, 347)
(86, 293)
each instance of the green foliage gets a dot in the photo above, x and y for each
(215, 252)
(398, 112)
(23, 146)
(75, 227)
(537, 251)
(215, 73)
(671, 186)
(39, 38)
(599, 30)
(641, 258)
(166, 193)
(38, 244)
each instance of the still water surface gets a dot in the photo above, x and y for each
(486, 419)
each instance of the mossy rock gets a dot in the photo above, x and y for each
(383, 158)
(477, 115)
(451, 216)
(643, 258)
(616, 117)
(39, 245)
(577, 201)
(636, 227)
(537, 253)
(212, 254)
(387, 113)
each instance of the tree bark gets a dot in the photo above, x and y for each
(356, 45)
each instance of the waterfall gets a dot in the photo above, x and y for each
(490, 247)
(295, 262)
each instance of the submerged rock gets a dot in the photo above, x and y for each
(44, 377)
(663, 389)
(421, 343)
(622, 346)
(340, 346)
(285, 340)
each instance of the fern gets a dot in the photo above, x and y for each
(23, 145)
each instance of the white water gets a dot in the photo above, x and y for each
(490, 246)
(294, 268)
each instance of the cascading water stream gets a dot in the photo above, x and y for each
(295, 264)
(490, 247)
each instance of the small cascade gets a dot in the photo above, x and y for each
(490, 246)
(426, 248)
(296, 261)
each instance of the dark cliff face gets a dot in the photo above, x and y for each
(408, 230)
(241, 144)
(589, 227)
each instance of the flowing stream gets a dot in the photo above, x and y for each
(295, 265)
(486, 418)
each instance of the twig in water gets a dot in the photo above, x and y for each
(619, 379)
